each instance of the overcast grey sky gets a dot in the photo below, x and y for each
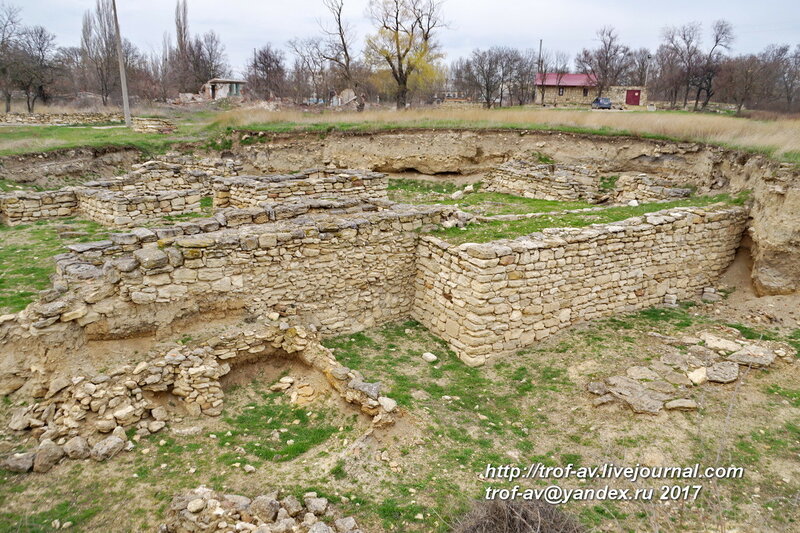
(566, 25)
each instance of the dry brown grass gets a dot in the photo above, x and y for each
(775, 136)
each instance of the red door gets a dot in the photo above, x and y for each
(632, 97)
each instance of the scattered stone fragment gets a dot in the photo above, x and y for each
(345, 525)
(292, 505)
(320, 527)
(724, 372)
(265, 507)
(77, 448)
(196, 505)
(597, 387)
(249, 469)
(680, 405)
(754, 356)
(387, 403)
(428, 357)
(698, 376)
(318, 506)
(107, 448)
(47, 456)
(19, 462)
(604, 399)
(714, 342)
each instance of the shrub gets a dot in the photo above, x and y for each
(500, 516)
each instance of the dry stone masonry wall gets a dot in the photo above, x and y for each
(25, 207)
(172, 185)
(643, 188)
(543, 181)
(139, 124)
(340, 273)
(253, 191)
(490, 299)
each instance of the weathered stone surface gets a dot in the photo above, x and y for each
(345, 525)
(77, 448)
(698, 376)
(318, 506)
(680, 404)
(265, 507)
(714, 342)
(107, 448)
(724, 372)
(151, 258)
(292, 505)
(47, 456)
(19, 462)
(753, 355)
(640, 399)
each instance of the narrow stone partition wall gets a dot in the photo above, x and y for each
(644, 188)
(489, 299)
(127, 210)
(252, 191)
(23, 207)
(542, 181)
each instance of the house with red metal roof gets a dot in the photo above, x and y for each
(557, 89)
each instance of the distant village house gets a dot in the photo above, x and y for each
(581, 89)
(219, 88)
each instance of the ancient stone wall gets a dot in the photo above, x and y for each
(139, 124)
(542, 181)
(171, 185)
(252, 191)
(339, 273)
(126, 210)
(60, 119)
(643, 188)
(490, 299)
(23, 207)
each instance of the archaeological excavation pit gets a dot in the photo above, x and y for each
(211, 268)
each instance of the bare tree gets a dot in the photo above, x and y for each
(9, 31)
(33, 68)
(786, 67)
(640, 65)
(266, 73)
(522, 84)
(684, 43)
(312, 63)
(98, 44)
(543, 67)
(484, 69)
(404, 38)
(738, 79)
(722, 37)
(337, 47)
(606, 63)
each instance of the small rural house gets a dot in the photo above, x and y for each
(221, 88)
(581, 89)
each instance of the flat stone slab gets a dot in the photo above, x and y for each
(754, 356)
(718, 343)
(724, 372)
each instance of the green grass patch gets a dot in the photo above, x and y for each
(35, 522)
(26, 256)
(495, 230)
(608, 183)
(752, 334)
(299, 432)
(792, 395)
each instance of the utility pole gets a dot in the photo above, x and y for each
(542, 74)
(123, 78)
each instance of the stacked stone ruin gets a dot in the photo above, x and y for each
(139, 124)
(544, 181)
(324, 252)
(577, 183)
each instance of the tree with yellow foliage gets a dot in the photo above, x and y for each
(405, 40)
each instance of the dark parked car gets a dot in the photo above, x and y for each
(601, 103)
